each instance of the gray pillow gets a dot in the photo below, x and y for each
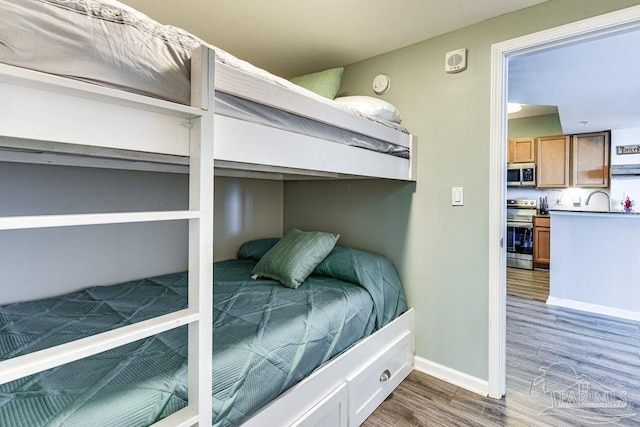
(295, 256)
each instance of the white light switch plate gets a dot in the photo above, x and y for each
(457, 196)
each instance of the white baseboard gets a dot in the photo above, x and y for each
(452, 376)
(594, 308)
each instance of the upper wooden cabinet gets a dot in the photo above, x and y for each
(522, 150)
(590, 160)
(552, 163)
(578, 160)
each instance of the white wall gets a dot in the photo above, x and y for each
(46, 262)
(625, 186)
(630, 136)
(245, 209)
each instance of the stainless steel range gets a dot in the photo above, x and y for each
(520, 213)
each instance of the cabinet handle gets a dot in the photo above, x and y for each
(385, 375)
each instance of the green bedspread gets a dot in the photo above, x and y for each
(266, 338)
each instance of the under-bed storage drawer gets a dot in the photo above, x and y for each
(373, 384)
(329, 412)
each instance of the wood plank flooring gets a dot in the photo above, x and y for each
(530, 284)
(564, 368)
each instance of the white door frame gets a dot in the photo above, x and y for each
(580, 31)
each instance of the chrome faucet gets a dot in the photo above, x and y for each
(586, 203)
(559, 199)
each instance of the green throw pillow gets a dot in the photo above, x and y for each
(295, 256)
(325, 83)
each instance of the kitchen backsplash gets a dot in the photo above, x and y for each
(622, 187)
(568, 198)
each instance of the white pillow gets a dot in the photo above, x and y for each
(372, 106)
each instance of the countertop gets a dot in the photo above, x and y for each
(632, 214)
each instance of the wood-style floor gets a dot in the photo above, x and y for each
(564, 368)
(529, 284)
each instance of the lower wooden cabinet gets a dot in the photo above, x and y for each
(541, 242)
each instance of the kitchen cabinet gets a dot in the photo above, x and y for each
(541, 242)
(521, 150)
(590, 160)
(552, 161)
(584, 158)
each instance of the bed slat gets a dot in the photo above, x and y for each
(45, 221)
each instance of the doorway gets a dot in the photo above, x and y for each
(578, 32)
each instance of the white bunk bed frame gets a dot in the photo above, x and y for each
(54, 120)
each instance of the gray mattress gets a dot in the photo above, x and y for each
(266, 338)
(108, 43)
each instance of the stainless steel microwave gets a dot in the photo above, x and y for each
(521, 174)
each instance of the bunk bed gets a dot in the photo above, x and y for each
(253, 105)
(53, 117)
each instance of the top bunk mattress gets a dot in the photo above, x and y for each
(108, 43)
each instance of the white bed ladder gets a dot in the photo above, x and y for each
(198, 315)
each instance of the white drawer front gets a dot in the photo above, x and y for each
(329, 412)
(369, 388)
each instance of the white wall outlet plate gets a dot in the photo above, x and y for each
(457, 196)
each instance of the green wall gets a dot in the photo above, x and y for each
(441, 251)
(525, 127)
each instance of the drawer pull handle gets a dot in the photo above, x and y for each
(385, 375)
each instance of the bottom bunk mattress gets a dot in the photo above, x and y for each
(266, 338)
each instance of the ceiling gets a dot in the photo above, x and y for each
(294, 37)
(594, 84)
(529, 110)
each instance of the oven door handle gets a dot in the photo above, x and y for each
(526, 225)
